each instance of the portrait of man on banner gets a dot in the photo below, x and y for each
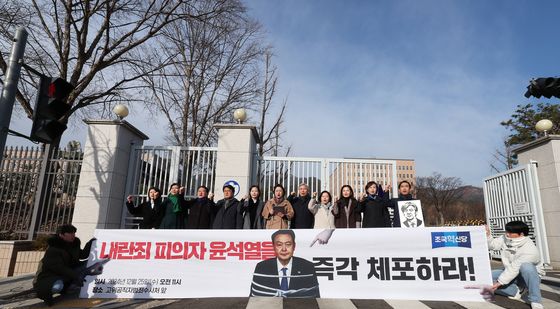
(411, 214)
(285, 275)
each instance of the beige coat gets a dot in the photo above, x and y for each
(324, 218)
(275, 221)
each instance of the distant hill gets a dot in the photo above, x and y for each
(469, 207)
(472, 194)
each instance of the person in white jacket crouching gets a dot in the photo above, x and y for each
(522, 264)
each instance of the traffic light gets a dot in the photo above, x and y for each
(547, 87)
(49, 108)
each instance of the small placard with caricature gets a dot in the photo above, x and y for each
(411, 213)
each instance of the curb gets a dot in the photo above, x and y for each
(550, 281)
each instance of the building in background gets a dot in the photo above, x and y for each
(406, 170)
(358, 174)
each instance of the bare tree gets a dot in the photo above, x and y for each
(270, 133)
(93, 44)
(213, 70)
(503, 158)
(440, 192)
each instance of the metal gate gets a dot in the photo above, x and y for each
(160, 166)
(514, 195)
(324, 174)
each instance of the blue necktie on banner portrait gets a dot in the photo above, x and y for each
(284, 282)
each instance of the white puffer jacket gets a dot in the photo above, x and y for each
(515, 252)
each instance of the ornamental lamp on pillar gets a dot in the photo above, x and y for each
(544, 126)
(240, 115)
(121, 111)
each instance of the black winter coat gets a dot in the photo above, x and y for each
(375, 211)
(201, 213)
(394, 203)
(60, 262)
(303, 218)
(229, 215)
(151, 216)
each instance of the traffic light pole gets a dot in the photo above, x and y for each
(10, 85)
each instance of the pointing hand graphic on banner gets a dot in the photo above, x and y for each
(487, 291)
(323, 237)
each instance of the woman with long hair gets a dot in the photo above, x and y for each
(345, 210)
(252, 209)
(278, 211)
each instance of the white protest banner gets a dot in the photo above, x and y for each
(382, 263)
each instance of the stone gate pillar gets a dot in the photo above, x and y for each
(236, 158)
(101, 189)
(546, 152)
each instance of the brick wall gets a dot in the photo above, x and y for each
(8, 255)
(27, 262)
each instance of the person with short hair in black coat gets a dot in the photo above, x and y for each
(61, 266)
(229, 214)
(201, 210)
(303, 218)
(150, 210)
(373, 205)
(405, 188)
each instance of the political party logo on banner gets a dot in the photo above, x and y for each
(451, 239)
(341, 263)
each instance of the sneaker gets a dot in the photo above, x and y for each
(517, 295)
(49, 302)
(537, 306)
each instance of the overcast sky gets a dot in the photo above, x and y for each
(422, 80)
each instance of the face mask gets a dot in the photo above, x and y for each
(513, 242)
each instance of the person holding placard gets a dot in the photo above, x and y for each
(405, 188)
(277, 211)
(63, 267)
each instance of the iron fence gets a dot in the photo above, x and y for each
(324, 174)
(29, 207)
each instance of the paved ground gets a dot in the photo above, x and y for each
(16, 293)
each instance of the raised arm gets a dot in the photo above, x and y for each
(313, 206)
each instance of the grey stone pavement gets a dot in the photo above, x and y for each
(16, 292)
